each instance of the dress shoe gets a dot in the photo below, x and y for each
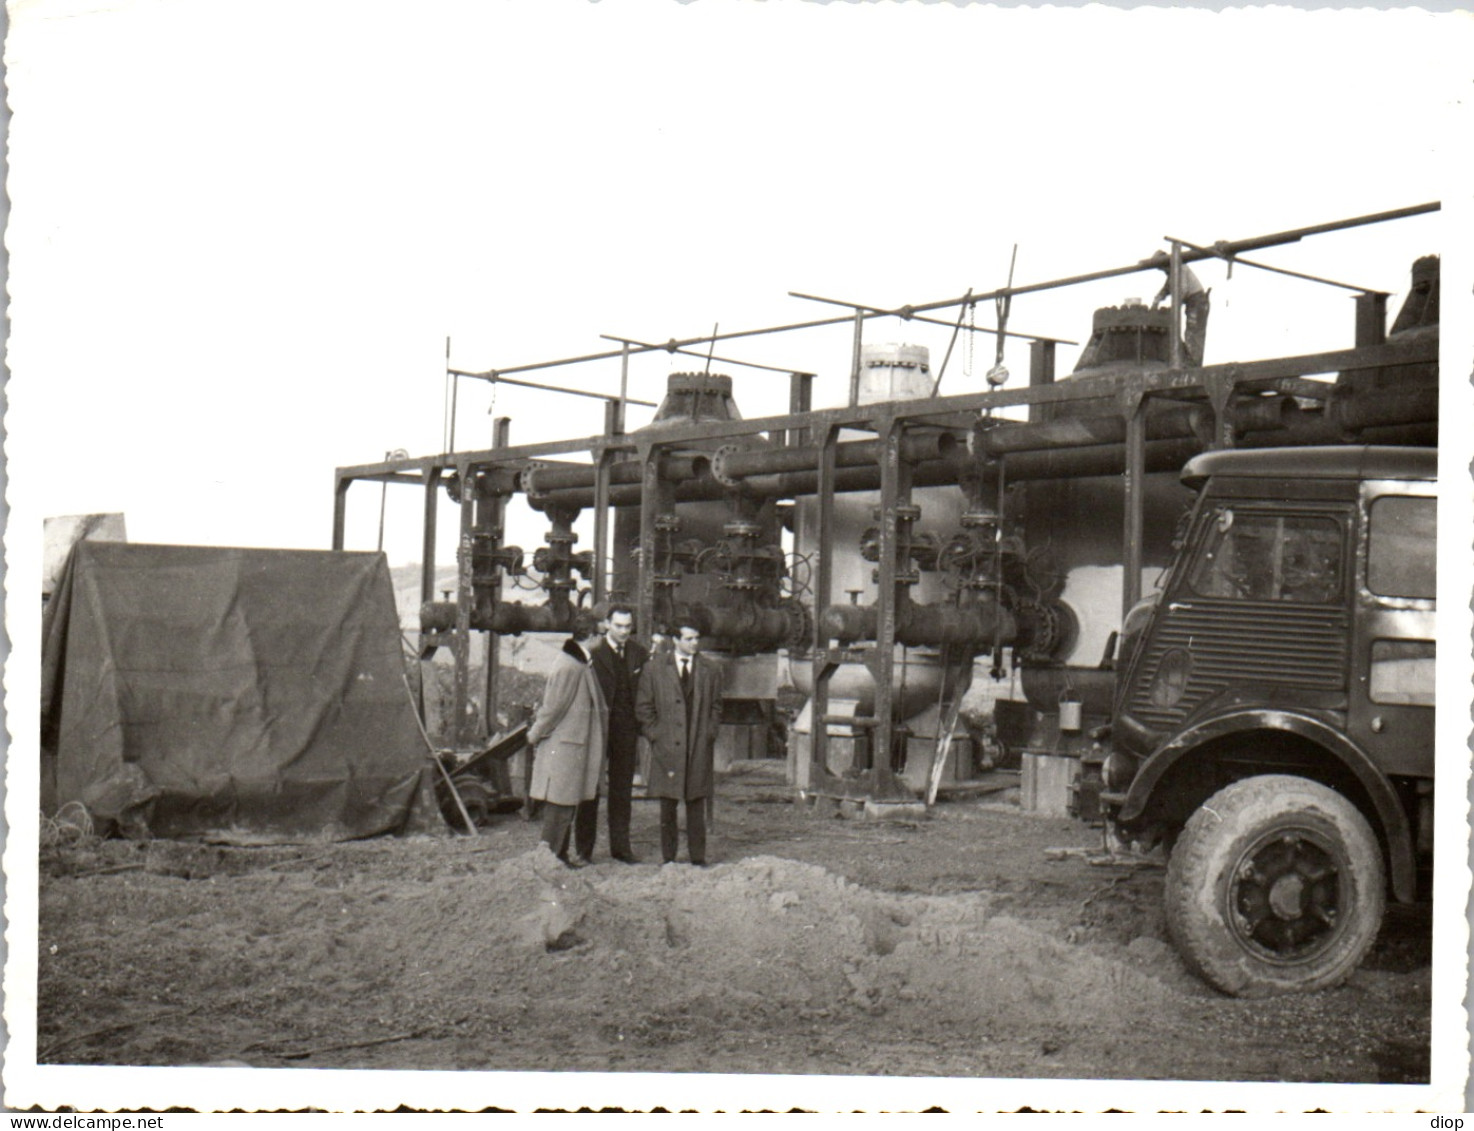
(626, 857)
(576, 861)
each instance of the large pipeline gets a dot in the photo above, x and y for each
(1030, 451)
(975, 626)
(573, 486)
(509, 618)
(740, 627)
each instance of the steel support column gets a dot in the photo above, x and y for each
(895, 493)
(340, 509)
(800, 399)
(491, 521)
(823, 662)
(1041, 372)
(613, 425)
(656, 498)
(460, 644)
(427, 541)
(1134, 409)
(1371, 318)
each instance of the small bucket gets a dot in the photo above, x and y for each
(1071, 713)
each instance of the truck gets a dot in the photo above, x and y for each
(1272, 723)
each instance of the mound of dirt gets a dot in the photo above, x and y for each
(948, 946)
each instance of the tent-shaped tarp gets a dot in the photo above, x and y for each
(244, 696)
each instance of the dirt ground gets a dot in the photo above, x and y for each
(949, 945)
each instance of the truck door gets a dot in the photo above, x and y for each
(1393, 657)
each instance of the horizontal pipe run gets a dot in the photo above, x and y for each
(1099, 459)
(730, 464)
(1085, 431)
(977, 626)
(1259, 422)
(509, 618)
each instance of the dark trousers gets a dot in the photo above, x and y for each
(695, 829)
(556, 822)
(623, 754)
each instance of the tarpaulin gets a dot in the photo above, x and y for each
(245, 696)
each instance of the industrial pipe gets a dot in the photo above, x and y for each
(1260, 422)
(931, 473)
(749, 628)
(731, 463)
(1256, 413)
(977, 626)
(509, 618)
(1098, 459)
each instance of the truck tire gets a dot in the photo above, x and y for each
(1276, 885)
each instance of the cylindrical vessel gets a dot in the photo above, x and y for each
(692, 398)
(888, 372)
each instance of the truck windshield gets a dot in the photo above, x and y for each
(1270, 557)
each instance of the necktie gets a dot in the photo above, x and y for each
(686, 676)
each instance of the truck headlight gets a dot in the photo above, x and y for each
(1118, 771)
(1170, 683)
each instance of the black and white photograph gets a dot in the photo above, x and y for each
(737, 556)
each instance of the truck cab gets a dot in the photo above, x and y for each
(1272, 725)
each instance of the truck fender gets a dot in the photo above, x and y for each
(1403, 867)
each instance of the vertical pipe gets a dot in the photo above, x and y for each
(894, 493)
(1371, 319)
(1175, 282)
(617, 425)
(612, 413)
(465, 598)
(383, 505)
(650, 506)
(855, 358)
(1135, 480)
(800, 399)
(1041, 372)
(823, 589)
(494, 521)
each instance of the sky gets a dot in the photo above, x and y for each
(240, 233)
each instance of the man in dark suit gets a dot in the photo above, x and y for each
(679, 705)
(618, 660)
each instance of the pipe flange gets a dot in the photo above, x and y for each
(718, 465)
(908, 512)
(528, 481)
(667, 523)
(742, 528)
(800, 623)
(976, 520)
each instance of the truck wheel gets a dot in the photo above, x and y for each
(1275, 886)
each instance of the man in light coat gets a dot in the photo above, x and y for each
(679, 705)
(567, 739)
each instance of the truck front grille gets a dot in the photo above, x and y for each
(1258, 643)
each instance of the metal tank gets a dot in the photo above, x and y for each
(1073, 525)
(888, 372)
(721, 557)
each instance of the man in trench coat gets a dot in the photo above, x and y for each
(679, 714)
(567, 739)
